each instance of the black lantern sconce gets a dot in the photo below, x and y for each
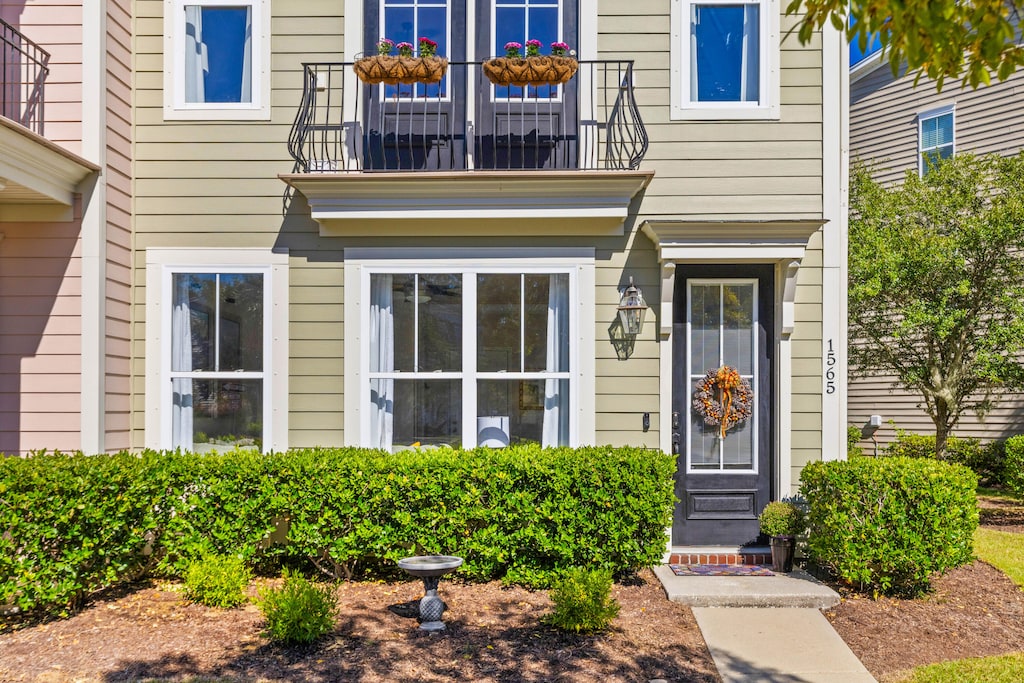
(632, 309)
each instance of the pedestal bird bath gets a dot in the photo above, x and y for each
(431, 568)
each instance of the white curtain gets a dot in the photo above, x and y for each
(556, 410)
(197, 59)
(247, 58)
(181, 361)
(750, 60)
(382, 359)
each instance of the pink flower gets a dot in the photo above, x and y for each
(405, 49)
(384, 46)
(559, 49)
(512, 49)
(428, 48)
(533, 47)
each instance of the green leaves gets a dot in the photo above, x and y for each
(887, 524)
(936, 290)
(966, 40)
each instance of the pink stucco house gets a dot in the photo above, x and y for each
(65, 239)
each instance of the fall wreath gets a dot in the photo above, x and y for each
(723, 398)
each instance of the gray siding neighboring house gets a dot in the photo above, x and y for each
(885, 114)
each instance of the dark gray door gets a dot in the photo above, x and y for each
(529, 127)
(723, 316)
(417, 126)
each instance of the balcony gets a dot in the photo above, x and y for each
(25, 70)
(466, 149)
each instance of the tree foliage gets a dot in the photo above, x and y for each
(969, 40)
(936, 293)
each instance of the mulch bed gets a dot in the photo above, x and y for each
(974, 611)
(494, 634)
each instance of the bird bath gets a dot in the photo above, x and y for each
(430, 568)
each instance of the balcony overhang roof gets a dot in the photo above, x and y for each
(36, 171)
(756, 241)
(454, 203)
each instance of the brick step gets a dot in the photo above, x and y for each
(743, 556)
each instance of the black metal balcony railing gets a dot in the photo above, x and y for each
(25, 67)
(465, 123)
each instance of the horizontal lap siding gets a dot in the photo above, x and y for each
(40, 339)
(214, 184)
(884, 133)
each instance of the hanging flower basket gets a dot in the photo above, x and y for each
(536, 70)
(723, 398)
(393, 69)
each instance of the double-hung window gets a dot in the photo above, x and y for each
(211, 351)
(216, 59)
(935, 137)
(725, 56)
(465, 354)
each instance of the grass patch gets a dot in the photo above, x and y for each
(1000, 494)
(1002, 669)
(1003, 550)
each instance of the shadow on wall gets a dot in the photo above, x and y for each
(23, 70)
(40, 336)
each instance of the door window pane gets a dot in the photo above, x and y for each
(738, 327)
(705, 328)
(725, 53)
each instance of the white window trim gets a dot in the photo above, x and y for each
(925, 116)
(579, 263)
(682, 109)
(753, 378)
(160, 264)
(175, 107)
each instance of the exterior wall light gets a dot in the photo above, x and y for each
(632, 309)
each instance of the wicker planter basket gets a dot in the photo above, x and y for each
(541, 70)
(392, 70)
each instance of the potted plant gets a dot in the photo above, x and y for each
(405, 67)
(782, 521)
(533, 69)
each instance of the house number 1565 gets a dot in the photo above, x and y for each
(830, 372)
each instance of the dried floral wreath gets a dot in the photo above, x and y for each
(723, 398)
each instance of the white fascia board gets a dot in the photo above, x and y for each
(39, 165)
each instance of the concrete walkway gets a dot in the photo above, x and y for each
(767, 628)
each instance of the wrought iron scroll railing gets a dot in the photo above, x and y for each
(25, 66)
(465, 123)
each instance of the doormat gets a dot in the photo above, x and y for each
(720, 570)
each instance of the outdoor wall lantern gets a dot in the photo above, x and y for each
(632, 309)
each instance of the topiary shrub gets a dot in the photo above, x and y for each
(782, 518)
(217, 581)
(299, 611)
(583, 601)
(887, 524)
(1013, 466)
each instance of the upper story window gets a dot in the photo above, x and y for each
(216, 59)
(725, 58)
(935, 137)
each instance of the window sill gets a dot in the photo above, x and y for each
(768, 113)
(216, 114)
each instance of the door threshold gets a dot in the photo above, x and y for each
(719, 554)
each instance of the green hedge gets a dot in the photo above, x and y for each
(74, 525)
(986, 460)
(1013, 466)
(887, 524)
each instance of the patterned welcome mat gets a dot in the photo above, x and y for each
(720, 570)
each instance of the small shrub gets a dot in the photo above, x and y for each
(985, 460)
(583, 601)
(1013, 466)
(217, 581)
(908, 445)
(782, 518)
(300, 611)
(887, 524)
(853, 437)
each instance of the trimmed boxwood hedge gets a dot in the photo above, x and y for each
(887, 524)
(72, 525)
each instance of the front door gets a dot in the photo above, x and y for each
(723, 317)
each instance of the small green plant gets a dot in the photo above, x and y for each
(853, 437)
(583, 601)
(217, 581)
(782, 518)
(1013, 465)
(299, 611)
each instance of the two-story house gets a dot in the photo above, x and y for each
(896, 127)
(65, 225)
(323, 261)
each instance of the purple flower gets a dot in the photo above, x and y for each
(512, 49)
(533, 47)
(559, 49)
